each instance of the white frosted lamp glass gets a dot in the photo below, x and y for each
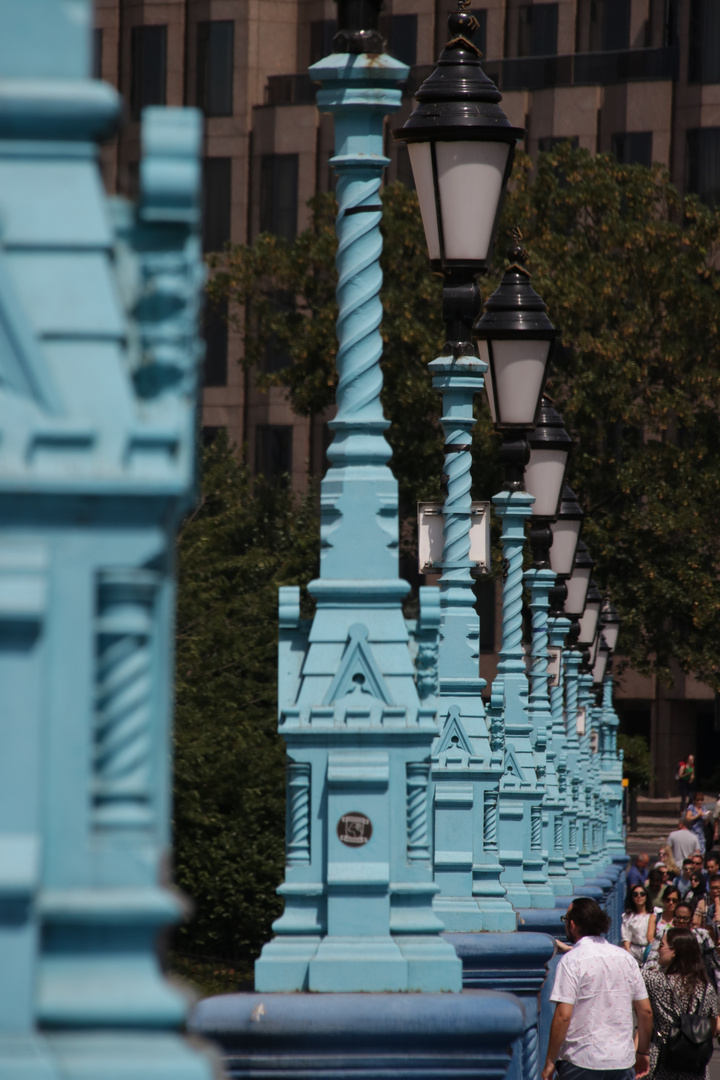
(484, 354)
(588, 622)
(421, 162)
(470, 181)
(518, 373)
(610, 633)
(577, 587)
(565, 539)
(598, 671)
(544, 475)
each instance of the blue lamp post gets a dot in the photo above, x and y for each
(461, 146)
(515, 337)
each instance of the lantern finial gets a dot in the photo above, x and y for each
(462, 25)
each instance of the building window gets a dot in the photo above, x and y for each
(401, 33)
(215, 67)
(703, 164)
(277, 355)
(217, 176)
(704, 54)
(480, 35)
(537, 30)
(603, 25)
(549, 142)
(215, 333)
(321, 39)
(633, 148)
(208, 434)
(279, 194)
(148, 67)
(97, 41)
(484, 589)
(273, 451)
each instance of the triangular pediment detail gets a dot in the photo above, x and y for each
(454, 736)
(358, 670)
(22, 366)
(512, 767)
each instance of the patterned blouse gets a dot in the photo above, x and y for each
(664, 1004)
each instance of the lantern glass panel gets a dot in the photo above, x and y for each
(610, 633)
(484, 354)
(589, 621)
(470, 178)
(598, 671)
(544, 475)
(577, 588)
(565, 540)
(421, 162)
(519, 368)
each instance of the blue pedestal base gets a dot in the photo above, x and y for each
(362, 1036)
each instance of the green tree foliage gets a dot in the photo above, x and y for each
(637, 761)
(627, 269)
(240, 544)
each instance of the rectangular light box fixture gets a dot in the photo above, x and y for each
(430, 538)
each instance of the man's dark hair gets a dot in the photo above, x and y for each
(687, 961)
(589, 917)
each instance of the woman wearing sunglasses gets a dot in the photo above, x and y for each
(638, 923)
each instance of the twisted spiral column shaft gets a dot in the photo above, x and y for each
(513, 508)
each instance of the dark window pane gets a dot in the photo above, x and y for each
(217, 175)
(480, 35)
(149, 63)
(97, 54)
(603, 25)
(403, 38)
(278, 194)
(215, 332)
(215, 68)
(273, 451)
(616, 25)
(704, 54)
(633, 147)
(703, 164)
(209, 434)
(537, 30)
(321, 39)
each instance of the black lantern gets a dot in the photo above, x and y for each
(566, 533)
(610, 624)
(578, 582)
(550, 447)
(515, 338)
(461, 147)
(358, 27)
(601, 661)
(590, 617)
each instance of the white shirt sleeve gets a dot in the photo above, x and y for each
(639, 987)
(565, 985)
(625, 930)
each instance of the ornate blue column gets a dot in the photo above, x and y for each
(564, 842)
(571, 661)
(99, 304)
(611, 771)
(521, 792)
(467, 760)
(541, 582)
(357, 722)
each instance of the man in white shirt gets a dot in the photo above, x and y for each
(597, 987)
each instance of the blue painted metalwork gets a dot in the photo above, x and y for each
(343, 1036)
(611, 771)
(540, 582)
(521, 791)
(467, 759)
(357, 717)
(99, 359)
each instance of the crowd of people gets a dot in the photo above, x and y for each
(667, 974)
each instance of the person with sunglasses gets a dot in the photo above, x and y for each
(638, 923)
(683, 919)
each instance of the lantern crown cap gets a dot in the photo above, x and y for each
(358, 28)
(515, 306)
(549, 431)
